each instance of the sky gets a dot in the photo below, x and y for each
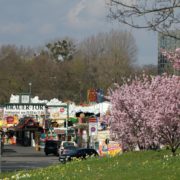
(33, 23)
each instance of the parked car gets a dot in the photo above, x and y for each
(51, 147)
(82, 153)
(67, 150)
(65, 145)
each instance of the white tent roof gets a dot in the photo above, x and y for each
(94, 108)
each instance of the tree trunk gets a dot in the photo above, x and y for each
(173, 150)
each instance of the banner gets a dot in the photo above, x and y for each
(111, 149)
(92, 96)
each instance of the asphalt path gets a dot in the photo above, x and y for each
(16, 157)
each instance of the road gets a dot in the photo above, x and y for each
(17, 157)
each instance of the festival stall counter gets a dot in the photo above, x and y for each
(8, 127)
(26, 131)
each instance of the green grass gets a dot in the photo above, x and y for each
(150, 165)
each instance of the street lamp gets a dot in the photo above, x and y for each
(67, 120)
(30, 84)
(0, 152)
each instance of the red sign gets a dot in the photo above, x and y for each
(92, 120)
(10, 120)
(62, 110)
(92, 95)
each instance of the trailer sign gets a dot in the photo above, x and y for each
(24, 109)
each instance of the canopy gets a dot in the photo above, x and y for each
(73, 119)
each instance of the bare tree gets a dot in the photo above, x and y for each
(108, 57)
(98, 62)
(157, 15)
(149, 69)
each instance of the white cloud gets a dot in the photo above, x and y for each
(87, 13)
(47, 29)
(12, 28)
(34, 22)
(73, 15)
(96, 9)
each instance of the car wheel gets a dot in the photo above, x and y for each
(62, 162)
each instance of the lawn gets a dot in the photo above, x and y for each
(150, 165)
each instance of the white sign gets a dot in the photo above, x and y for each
(24, 110)
(57, 112)
(93, 129)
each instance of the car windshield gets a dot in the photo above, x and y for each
(70, 147)
(70, 151)
(66, 144)
(51, 143)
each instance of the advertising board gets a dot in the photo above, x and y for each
(93, 129)
(22, 110)
(111, 149)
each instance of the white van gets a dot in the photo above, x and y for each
(66, 144)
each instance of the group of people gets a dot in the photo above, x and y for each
(8, 137)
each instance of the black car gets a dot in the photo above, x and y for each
(82, 153)
(51, 147)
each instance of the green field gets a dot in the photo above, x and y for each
(133, 165)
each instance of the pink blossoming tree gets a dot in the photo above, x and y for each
(173, 57)
(146, 112)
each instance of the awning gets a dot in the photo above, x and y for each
(73, 119)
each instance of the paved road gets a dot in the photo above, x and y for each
(18, 157)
